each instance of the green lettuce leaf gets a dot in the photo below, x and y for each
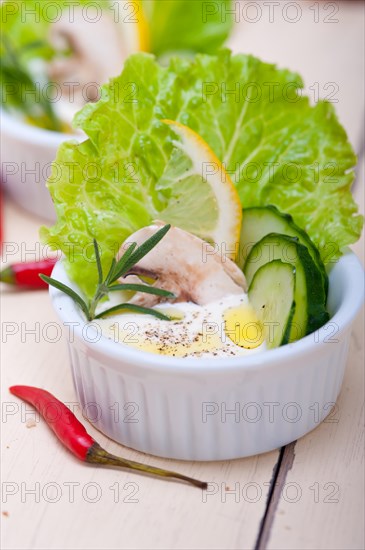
(278, 149)
(200, 26)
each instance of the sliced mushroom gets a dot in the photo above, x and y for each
(97, 53)
(179, 263)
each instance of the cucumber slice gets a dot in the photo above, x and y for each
(257, 222)
(310, 299)
(271, 294)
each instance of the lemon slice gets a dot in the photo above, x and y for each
(133, 26)
(202, 198)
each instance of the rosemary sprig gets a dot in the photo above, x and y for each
(133, 307)
(117, 269)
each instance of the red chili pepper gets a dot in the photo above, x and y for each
(26, 274)
(75, 437)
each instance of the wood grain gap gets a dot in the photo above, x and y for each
(281, 469)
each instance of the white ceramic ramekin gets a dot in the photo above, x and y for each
(26, 156)
(213, 409)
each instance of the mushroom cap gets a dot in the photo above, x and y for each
(185, 265)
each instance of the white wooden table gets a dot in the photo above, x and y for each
(306, 495)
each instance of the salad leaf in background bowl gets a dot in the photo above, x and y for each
(16, 78)
(125, 174)
(199, 26)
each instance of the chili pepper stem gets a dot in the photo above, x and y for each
(7, 276)
(97, 455)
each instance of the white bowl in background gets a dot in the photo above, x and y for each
(26, 155)
(213, 408)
